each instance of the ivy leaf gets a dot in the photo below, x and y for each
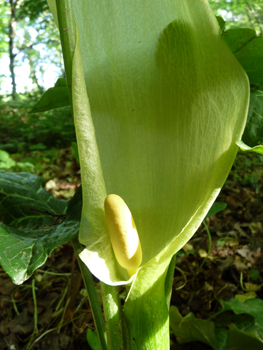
(252, 307)
(22, 248)
(53, 98)
(241, 334)
(189, 328)
(25, 204)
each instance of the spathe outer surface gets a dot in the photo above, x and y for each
(168, 101)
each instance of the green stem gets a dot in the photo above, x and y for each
(35, 305)
(146, 309)
(67, 36)
(113, 317)
(184, 276)
(209, 245)
(92, 295)
(169, 280)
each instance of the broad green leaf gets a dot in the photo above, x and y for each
(243, 322)
(189, 328)
(240, 334)
(253, 134)
(254, 273)
(53, 98)
(251, 307)
(216, 208)
(22, 251)
(167, 102)
(25, 204)
(240, 340)
(221, 335)
(246, 148)
(61, 82)
(248, 50)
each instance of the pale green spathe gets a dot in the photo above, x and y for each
(168, 102)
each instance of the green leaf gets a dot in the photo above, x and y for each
(93, 340)
(254, 274)
(167, 101)
(246, 148)
(253, 134)
(221, 335)
(53, 9)
(25, 204)
(22, 251)
(248, 50)
(5, 161)
(251, 307)
(240, 340)
(61, 82)
(221, 22)
(216, 208)
(74, 151)
(53, 98)
(241, 334)
(189, 328)
(25, 166)
(246, 296)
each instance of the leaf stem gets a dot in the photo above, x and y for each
(67, 36)
(113, 317)
(209, 245)
(145, 309)
(35, 305)
(92, 295)
(169, 280)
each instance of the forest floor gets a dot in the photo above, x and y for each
(50, 311)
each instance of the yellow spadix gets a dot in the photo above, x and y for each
(123, 233)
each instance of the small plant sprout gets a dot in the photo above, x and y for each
(123, 233)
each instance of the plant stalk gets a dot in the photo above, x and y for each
(92, 295)
(68, 37)
(209, 245)
(169, 280)
(113, 317)
(146, 308)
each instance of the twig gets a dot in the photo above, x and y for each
(35, 306)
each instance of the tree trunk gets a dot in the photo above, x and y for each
(12, 27)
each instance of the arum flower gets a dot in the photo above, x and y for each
(159, 103)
